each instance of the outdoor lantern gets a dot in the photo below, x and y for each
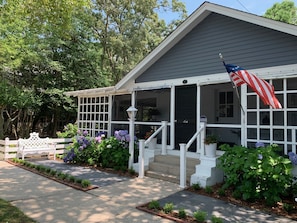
(132, 111)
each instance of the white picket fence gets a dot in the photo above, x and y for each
(9, 148)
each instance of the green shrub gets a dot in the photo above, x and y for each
(85, 183)
(215, 219)
(32, 165)
(154, 205)
(61, 175)
(288, 207)
(21, 161)
(253, 171)
(115, 154)
(221, 192)
(168, 208)
(182, 213)
(196, 186)
(48, 170)
(72, 179)
(79, 181)
(42, 168)
(200, 216)
(208, 189)
(69, 131)
(53, 172)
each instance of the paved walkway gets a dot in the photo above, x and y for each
(114, 201)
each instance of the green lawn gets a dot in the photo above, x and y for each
(11, 214)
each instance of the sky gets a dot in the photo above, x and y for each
(257, 7)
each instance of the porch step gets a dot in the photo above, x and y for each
(166, 167)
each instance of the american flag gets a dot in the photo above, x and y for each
(265, 90)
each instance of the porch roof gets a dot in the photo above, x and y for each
(97, 92)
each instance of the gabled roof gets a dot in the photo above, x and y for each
(192, 21)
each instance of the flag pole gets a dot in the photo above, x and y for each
(233, 85)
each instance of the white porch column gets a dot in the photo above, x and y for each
(198, 115)
(131, 132)
(141, 159)
(182, 166)
(110, 108)
(172, 117)
(243, 100)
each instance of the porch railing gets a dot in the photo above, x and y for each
(183, 149)
(143, 143)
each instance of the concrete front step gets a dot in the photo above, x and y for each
(174, 160)
(166, 167)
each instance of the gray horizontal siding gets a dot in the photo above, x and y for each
(244, 44)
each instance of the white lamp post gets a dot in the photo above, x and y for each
(131, 114)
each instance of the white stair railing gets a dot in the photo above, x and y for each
(200, 134)
(143, 143)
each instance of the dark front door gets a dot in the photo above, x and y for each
(185, 114)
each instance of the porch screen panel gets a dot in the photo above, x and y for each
(93, 115)
(270, 126)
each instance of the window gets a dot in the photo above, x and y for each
(226, 104)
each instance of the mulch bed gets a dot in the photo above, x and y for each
(278, 209)
(259, 205)
(173, 216)
(74, 185)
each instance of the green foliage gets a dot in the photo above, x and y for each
(221, 192)
(196, 186)
(154, 205)
(285, 11)
(11, 214)
(69, 131)
(288, 207)
(210, 139)
(85, 183)
(200, 216)
(114, 154)
(72, 179)
(182, 213)
(49, 47)
(53, 172)
(168, 208)
(86, 150)
(208, 189)
(215, 219)
(256, 173)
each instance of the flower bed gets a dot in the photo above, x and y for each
(66, 179)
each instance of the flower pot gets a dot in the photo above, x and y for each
(210, 150)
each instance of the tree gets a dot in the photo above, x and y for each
(128, 30)
(49, 47)
(286, 11)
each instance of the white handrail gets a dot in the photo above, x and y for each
(183, 150)
(143, 142)
(195, 136)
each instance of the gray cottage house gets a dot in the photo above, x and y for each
(183, 83)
